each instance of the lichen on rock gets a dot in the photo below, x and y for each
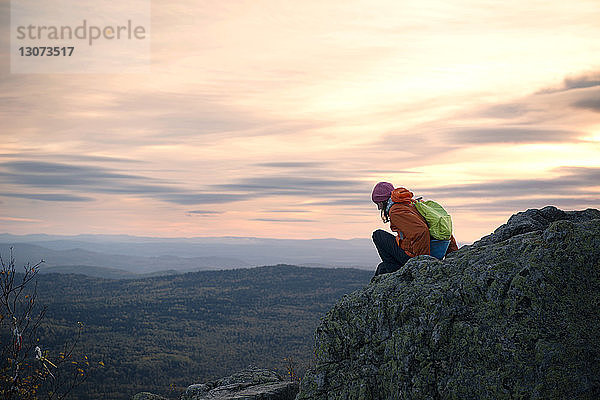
(515, 315)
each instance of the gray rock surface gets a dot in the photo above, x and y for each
(250, 384)
(535, 220)
(147, 396)
(516, 315)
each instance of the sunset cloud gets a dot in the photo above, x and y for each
(514, 135)
(570, 181)
(255, 115)
(205, 213)
(591, 103)
(47, 196)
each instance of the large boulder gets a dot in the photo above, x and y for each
(535, 220)
(148, 396)
(515, 315)
(250, 384)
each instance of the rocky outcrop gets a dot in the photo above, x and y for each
(147, 396)
(249, 384)
(515, 315)
(536, 220)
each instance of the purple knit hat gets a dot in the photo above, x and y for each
(382, 191)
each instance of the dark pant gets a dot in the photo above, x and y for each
(392, 255)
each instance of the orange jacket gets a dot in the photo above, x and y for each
(406, 220)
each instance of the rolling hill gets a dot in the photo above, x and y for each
(175, 330)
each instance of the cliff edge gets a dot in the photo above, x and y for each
(251, 383)
(515, 315)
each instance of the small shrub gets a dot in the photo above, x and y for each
(27, 370)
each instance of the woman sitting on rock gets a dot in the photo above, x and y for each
(397, 208)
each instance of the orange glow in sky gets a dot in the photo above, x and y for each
(276, 119)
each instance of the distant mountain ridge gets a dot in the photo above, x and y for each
(104, 272)
(119, 251)
(30, 253)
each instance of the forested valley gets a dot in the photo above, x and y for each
(162, 334)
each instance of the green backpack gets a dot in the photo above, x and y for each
(438, 220)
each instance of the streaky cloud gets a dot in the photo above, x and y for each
(287, 220)
(287, 211)
(205, 213)
(573, 180)
(504, 205)
(291, 164)
(584, 81)
(293, 185)
(69, 157)
(359, 201)
(88, 179)
(505, 111)
(186, 198)
(591, 103)
(518, 134)
(49, 168)
(48, 196)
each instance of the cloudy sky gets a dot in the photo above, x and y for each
(276, 118)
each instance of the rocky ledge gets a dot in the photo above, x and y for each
(250, 384)
(516, 315)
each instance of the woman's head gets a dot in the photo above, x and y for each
(382, 192)
(380, 196)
